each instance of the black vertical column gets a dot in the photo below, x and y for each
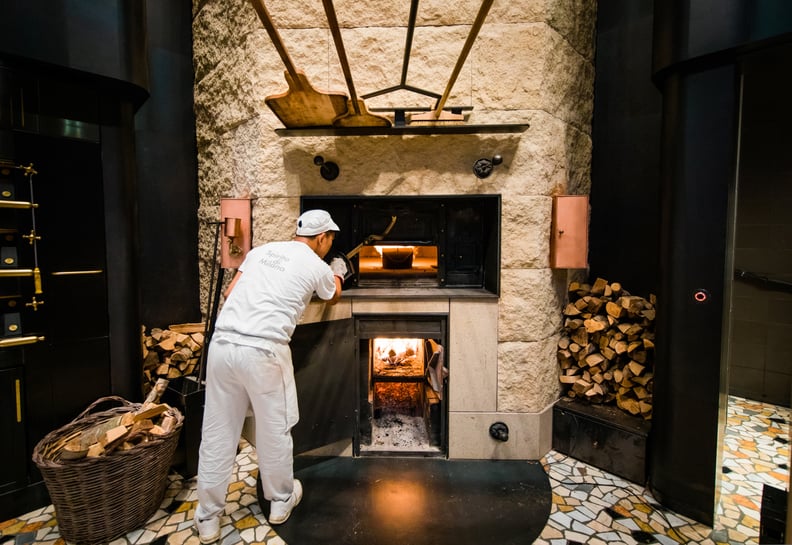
(698, 172)
(121, 227)
(697, 49)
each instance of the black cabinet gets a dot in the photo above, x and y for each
(13, 470)
(55, 346)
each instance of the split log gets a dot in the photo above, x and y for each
(190, 328)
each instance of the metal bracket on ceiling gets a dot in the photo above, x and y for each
(406, 63)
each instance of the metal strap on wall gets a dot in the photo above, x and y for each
(763, 281)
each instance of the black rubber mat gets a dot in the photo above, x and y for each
(419, 501)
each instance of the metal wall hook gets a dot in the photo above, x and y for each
(328, 169)
(484, 167)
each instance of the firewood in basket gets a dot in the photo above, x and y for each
(113, 439)
(73, 450)
(97, 431)
(157, 430)
(168, 423)
(95, 450)
(150, 410)
(113, 435)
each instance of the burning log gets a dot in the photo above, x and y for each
(606, 351)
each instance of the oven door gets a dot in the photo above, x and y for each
(323, 354)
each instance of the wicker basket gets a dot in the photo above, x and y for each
(100, 499)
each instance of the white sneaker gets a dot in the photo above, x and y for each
(208, 529)
(280, 510)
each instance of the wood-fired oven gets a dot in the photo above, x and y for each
(379, 371)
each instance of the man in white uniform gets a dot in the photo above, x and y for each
(249, 363)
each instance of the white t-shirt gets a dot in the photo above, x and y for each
(276, 284)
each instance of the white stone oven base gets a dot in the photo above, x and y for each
(473, 377)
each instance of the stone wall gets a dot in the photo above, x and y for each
(531, 63)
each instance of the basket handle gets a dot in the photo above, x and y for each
(121, 401)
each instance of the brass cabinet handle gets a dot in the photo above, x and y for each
(9, 273)
(77, 273)
(18, 400)
(16, 273)
(19, 341)
(18, 204)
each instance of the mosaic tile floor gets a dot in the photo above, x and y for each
(589, 507)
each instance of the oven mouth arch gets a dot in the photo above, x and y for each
(461, 234)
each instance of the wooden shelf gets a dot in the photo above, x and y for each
(404, 130)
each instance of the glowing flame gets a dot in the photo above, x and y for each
(395, 247)
(391, 349)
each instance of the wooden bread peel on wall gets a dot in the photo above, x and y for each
(356, 115)
(438, 114)
(302, 105)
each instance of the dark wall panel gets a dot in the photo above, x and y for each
(101, 37)
(167, 172)
(625, 172)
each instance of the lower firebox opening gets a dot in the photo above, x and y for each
(403, 410)
(398, 422)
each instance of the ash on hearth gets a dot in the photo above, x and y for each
(606, 351)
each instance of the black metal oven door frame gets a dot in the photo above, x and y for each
(371, 326)
(323, 355)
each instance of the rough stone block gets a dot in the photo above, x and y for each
(527, 375)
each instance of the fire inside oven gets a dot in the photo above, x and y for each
(405, 395)
(393, 262)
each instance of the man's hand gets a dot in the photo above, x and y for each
(339, 268)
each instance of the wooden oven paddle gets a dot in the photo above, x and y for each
(356, 115)
(302, 105)
(371, 239)
(438, 114)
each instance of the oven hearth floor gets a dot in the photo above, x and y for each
(589, 506)
(399, 433)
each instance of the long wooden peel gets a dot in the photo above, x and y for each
(302, 105)
(371, 239)
(356, 115)
(438, 114)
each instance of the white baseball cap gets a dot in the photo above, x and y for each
(314, 222)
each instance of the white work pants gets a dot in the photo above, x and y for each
(237, 377)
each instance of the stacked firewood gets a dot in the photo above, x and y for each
(171, 353)
(606, 351)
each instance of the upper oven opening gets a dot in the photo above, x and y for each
(398, 262)
(450, 241)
